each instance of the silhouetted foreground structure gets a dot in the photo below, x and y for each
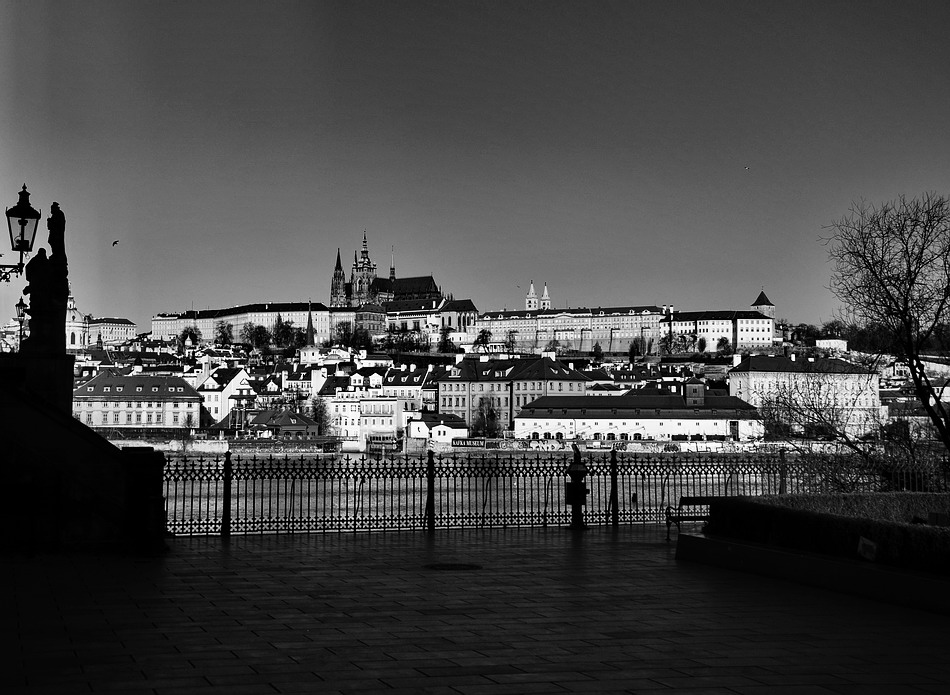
(69, 487)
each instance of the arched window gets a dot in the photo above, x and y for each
(72, 338)
(559, 435)
(611, 436)
(596, 435)
(547, 435)
(624, 436)
(535, 435)
(637, 436)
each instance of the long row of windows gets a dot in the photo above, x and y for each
(518, 386)
(133, 404)
(119, 418)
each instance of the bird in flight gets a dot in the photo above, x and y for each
(115, 242)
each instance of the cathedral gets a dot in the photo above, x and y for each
(364, 287)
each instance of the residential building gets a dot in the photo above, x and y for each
(378, 430)
(137, 402)
(225, 388)
(505, 385)
(436, 427)
(810, 393)
(282, 424)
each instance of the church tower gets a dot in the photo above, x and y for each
(531, 299)
(545, 298)
(310, 335)
(763, 305)
(362, 277)
(338, 284)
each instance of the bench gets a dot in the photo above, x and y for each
(689, 509)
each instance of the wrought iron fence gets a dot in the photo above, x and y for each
(314, 493)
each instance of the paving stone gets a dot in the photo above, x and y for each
(548, 612)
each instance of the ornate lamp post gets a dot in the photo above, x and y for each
(22, 220)
(20, 317)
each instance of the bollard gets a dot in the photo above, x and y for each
(575, 492)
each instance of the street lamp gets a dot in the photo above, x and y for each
(20, 317)
(22, 220)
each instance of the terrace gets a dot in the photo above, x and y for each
(462, 612)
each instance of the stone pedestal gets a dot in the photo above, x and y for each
(48, 378)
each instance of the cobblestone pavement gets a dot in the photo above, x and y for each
(468, 612)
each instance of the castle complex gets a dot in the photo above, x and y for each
(365, 287)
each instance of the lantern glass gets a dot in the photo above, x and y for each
(22, 221)
(20, 309)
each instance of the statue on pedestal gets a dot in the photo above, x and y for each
(48, 289)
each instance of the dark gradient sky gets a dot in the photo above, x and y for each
(624, 153)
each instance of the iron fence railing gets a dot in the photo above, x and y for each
(313, 493)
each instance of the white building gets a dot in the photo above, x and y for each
(226, 388)
(111, 331)
(504, 385)
(745, 330)
(137, 402)
(168, 326)
(650, 416)
(573, 329)
(811, 392)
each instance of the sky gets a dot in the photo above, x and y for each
(623, 153)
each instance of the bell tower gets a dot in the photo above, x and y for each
(531, 299)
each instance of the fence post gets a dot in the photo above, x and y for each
(226, 512)
(575, 492)
(782, 472)
(430, 492)
(614, 496)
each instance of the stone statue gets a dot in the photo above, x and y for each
(49, 291)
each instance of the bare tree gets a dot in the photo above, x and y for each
(223, 333)
(446, 344)
(892, 272)
(511, 340)
(485, 419)
(819, 404)
(482, 340)
(320, 412)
